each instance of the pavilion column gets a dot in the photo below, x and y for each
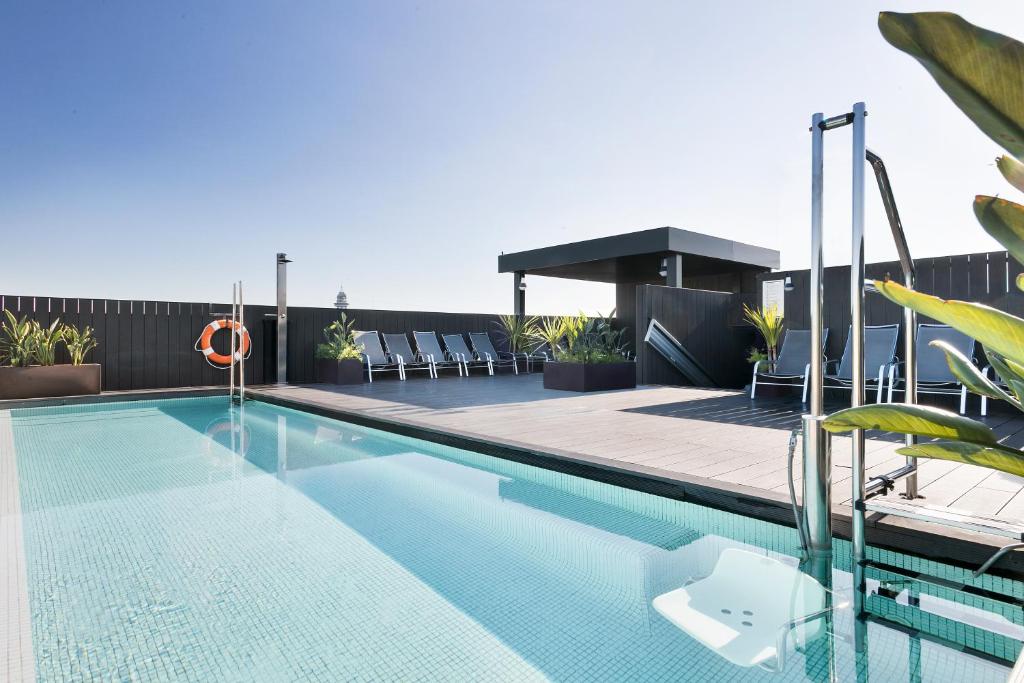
(674, 270)
(519, 307)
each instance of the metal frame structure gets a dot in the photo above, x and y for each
(237, 323)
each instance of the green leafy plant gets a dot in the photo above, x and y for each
(78, 342)
(550, 331)
(598, 341)
(517, 331)
(339, 341)
(980, 70)
(17, 340)
(770, 324)
(573, 326)
(756, 355)
(45, 340)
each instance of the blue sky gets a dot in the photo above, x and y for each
(163, 150)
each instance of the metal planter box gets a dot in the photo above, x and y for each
(589, 377)
(44, 381)
(348, 371)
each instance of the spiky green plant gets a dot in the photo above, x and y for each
(16, 340)
(45, 341)
(339, 341)
(981, 71)
(517, 331)
(79, 342)
(550, 331)
(573, 326)
(769, 323)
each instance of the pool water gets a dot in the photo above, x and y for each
(188, 540)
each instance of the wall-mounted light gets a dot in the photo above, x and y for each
(522, 284)
(663, 270)
(787, 284)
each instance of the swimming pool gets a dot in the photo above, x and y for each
(186, 540)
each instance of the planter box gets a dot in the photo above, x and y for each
(44, 381)
(348, 371)
(589, 377)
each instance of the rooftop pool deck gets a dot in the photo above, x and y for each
(718, 442)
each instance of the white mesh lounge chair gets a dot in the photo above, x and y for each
(792, 366)
(375, 358)
(429, 348)
(750, 622)
(933, 373)
(398, 348)
(457, 348)
(879, 355)
(484, 349)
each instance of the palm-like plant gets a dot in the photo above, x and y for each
(573, 326)
(17, 340)
(981, 72)
(550, 331)
(769, 323)
(517, 331)
(78, 342)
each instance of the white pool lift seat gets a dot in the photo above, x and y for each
(746, 609)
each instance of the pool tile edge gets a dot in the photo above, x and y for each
(16, 657)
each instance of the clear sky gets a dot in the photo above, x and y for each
(162, 150)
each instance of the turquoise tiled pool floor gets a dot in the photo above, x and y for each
(155, 551)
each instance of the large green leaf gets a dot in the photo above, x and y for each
(993, 457)
(1004, 221)
(1012, 170)
(1011, 373)
(911, 419)
(980, 70)
(995, 329)
(970, 376)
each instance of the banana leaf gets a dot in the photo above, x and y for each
(978, 69)
(997, 457)
(1012, 170)
(970, 376)
(994, 329)
(911, 419)
(1004, 221)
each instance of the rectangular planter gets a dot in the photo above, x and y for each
(589, 377)
(44, 381)
(348, 371)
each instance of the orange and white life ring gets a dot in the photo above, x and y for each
(221, 360)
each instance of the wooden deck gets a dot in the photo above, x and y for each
(718, 436)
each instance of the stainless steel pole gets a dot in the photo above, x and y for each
(817, 456)
(241, 355)
(857, 350)
(282, 318)
(231, 367)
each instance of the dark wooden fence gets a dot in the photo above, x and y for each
(703, 322)
(150, 344)
(987, 277)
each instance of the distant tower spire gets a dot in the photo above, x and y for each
(341, 301)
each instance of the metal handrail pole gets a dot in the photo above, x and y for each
(241, 356)
(817, 457)
(857, 350)
(909, 315)
(231, 365)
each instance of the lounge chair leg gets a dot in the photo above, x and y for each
(963, 400)
(807, 379)
(892, 381)
(369, 372)
(753, 382)
(881, 383)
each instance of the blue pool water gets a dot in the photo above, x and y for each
(164, 543)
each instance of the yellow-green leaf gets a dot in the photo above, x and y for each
(1004, 221)
(969, 374)
(1011, 373)
(1020, 281)
(1012, 170)
(996, 457)
(911, 419)
(995, 329)
(980, 70)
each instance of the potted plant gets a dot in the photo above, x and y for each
(339, 358)
(590, 354)
(768, 323)
(29, 353)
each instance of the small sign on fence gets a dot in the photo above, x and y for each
(773, 293)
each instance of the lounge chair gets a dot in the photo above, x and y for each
(539, 354)
(375, 358)
(933, 373)
(792, 366)
(457, 348)
(398, 348)
(429, 348)
(483, 348)
(879, 355)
